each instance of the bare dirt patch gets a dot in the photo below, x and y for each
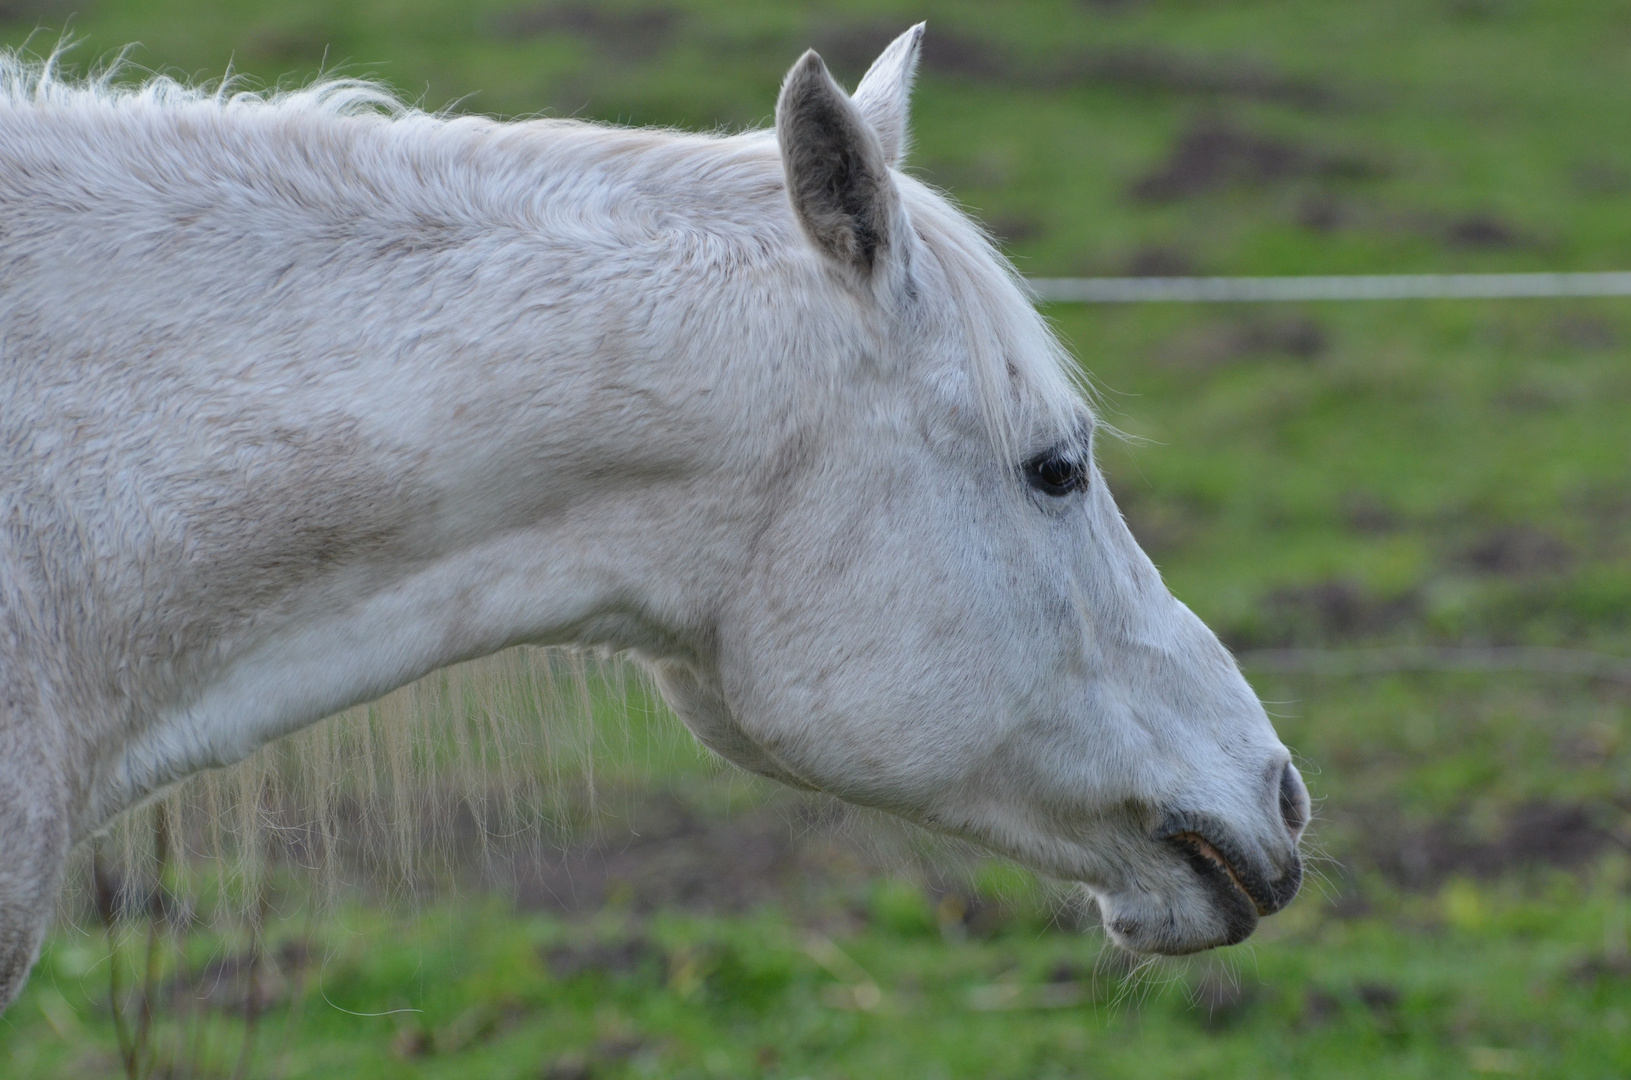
(1010, 229)
(1601, 179)
(1585, 333)
(1158, 261)
(1369, 516)
(586, 1065)
(1228, 341)
(1223, 999)
(1516, 551)
(673, 857)
(632, 955)
(1328, 212)
(292, 45)
(239, 982)
(1475, 230)
(1210, 77)
(635, 33)
(1423, 854)
(1482, 230)
(1323, 612)
(36, 10)
(849, 47)
(1322, 213)
(1161, 526)
(810, 856)
(1214, 154)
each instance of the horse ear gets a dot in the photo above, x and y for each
(837, 176)
(885, 93)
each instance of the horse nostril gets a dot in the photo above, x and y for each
(1293, 800)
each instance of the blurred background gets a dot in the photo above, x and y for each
(1334, 479)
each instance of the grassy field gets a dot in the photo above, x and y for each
(1323, 476)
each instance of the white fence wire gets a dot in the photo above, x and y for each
(1145, 290)
(1388, 660)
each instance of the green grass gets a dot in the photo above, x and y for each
(1469, 979)
(1319, 475)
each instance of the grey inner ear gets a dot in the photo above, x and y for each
(836, 175)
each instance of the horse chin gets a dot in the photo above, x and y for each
(1195, 917)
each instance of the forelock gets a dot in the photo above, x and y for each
(1020, 373)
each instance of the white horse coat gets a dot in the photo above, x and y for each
(304, 396)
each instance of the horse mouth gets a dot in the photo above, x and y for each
(1242, 883)
(1211, 860)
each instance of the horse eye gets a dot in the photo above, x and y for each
(1054, 474)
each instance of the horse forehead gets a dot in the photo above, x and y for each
(1016, 406)
(994, 349)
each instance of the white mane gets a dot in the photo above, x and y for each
(715, 200)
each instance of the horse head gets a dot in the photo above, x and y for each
(942, 613)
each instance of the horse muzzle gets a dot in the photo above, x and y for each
(1212, 882)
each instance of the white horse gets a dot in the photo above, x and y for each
(305, 395)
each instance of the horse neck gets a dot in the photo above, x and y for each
(299, 457)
